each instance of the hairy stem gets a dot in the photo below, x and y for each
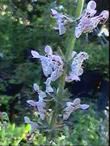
(79, 9)
(70, 47)
(72, 39)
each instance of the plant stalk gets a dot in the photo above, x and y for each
(79, 9)
(60, 89)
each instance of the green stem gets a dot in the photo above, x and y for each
(72, 39)
(79, 9)
(70, 47)
(51, 134)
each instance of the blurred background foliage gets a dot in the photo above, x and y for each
(26, 25)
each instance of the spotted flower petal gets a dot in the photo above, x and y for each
(76, 101)
(41, 109)
(52, 66)
(33, 125)
(71, 77)
(73, 54)
(48, 50)
(91, 5)
(104, 15)
(35, 54)
(76, 67)
(26, 120)
(67, 112)
(49, 89)
(61, 21)
(84, 106)
(78, 31)
(73, 106)
(41, 94)
(46, 65)
(32, 103)
(54, 12)
(36, 87)
(61, 28)
(40, 105)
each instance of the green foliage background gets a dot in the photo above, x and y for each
(24, 26)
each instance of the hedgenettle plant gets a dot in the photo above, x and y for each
(53, 105)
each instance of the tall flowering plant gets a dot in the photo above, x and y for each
(53, 106)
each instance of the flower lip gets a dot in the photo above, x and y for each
(53, 12)
(35, 54)
(48, 50)
(32, 103)
(26, 120)
(104, 15)
(91, 5)
(73, 106)
(84, 106)
(36, 87)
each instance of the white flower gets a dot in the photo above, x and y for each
(73, 106)
(76, 67)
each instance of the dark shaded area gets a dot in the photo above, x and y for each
(89, 81)
(93, 86)
(103, 95)
(13, 89)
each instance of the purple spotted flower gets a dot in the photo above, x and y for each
(52, 66)
(88, 21)
(41, 94)
(76, 66)
(40, 104)
(73, 106)
(61, 21)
